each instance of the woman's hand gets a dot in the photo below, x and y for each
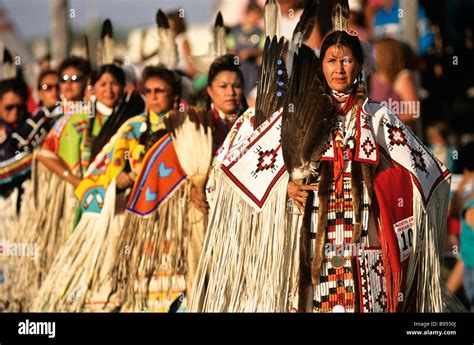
(73, 180)
(199, 199)
(298, 193)
(125, 180)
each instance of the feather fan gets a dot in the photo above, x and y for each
(273, 82)
(191, 131)
(302, 31)
(309, 116)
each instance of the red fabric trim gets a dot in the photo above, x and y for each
(358, 143)
(348, 105)
(247, 192)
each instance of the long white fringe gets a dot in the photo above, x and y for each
(248, 258)
(151, 253)
(45, 221)
(77, 265)
(428, 241)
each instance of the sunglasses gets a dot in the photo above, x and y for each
(73, 78)
(49, 87)
(18, 107)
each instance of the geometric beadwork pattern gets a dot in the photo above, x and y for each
(372, 284)
(336, 284)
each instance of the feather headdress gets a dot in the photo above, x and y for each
(309, 115)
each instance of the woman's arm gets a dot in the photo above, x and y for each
(58, 167)
(405, 87)
(187, 57)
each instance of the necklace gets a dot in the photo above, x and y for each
(340, 94)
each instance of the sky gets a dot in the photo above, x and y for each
(31, 17)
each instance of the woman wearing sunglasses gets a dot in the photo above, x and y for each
(15, 162)
(72, 73)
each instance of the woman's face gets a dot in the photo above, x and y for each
(108, 90)
(71, 81)
(340, 68)
(49, 90)
(158, 95)
(226, 92)
(12, 108)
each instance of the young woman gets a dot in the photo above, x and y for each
(226, 98)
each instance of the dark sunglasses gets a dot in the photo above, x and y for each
(10, 107)
(49, 87)
(73, 78)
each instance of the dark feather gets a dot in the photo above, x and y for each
(307, 21)
(340, 15)
(107, 29)
(272, 86)
(305, 254)
(9, 70)
(198, 116)
(162, 20)
(309, 114)
(174, 120)
(176, 303)
(219, 20)
(7, 57)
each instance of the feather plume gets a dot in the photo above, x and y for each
(273, 82)
(302, 31)
(309, 116)
(272, 17)
(219, 36)
(106, 44)
(168, 52)
(340, 15)
(8, 67)
(192, 126)
(307, 21)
